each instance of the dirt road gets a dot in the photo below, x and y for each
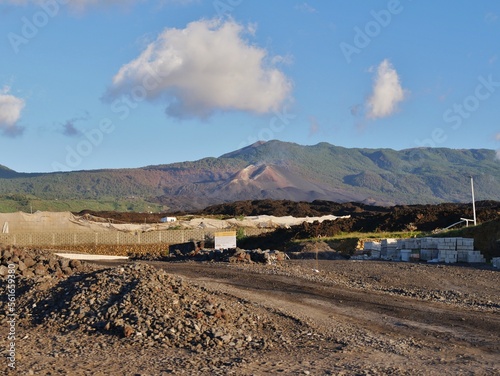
(384, 317)
(300, 317)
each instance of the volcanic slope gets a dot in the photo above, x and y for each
(281, 170)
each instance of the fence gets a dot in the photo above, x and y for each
(108, 238)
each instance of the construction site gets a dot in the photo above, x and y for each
(218, 295)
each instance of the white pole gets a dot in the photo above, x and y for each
(473, 202)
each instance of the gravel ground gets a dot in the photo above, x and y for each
(299, 317)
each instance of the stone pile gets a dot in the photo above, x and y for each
(185, 252)
(37, 264)
(314, 250)
(142, 304)
(256, 255)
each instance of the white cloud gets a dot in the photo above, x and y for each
(497, 137)
(10, 112)
(387, 92)
(205, 67)
(305, 7)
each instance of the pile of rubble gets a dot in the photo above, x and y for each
(196, 252)
(148, 306)
(37, 264)
(314, 250)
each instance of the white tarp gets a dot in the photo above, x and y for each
(67, 222)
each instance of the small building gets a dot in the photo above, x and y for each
(168, 219)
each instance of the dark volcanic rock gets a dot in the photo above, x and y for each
(142, 304)
(37, 264)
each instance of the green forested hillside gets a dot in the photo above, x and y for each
(384, 176)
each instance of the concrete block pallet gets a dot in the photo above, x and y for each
(447, 250)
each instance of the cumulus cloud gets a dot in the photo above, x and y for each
(207, 66)
(387, 92)
(10, 112)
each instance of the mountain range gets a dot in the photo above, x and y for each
(280, 170)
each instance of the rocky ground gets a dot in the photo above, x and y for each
(295, 317)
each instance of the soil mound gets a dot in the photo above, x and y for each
(148, 306)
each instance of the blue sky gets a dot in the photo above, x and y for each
(90, 84)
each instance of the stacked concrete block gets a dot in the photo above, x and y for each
(405, 254)
(429, 243)
(428, 254)
(447, 250)
(449, 256)
(389, 249)
(475, 257)
(446, 244)
(496, 262)
(374, 249)
(428, 249)
(400, 244)
(464, 246)
(372, 246)
(411, 243)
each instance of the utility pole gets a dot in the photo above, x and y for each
(473, 201)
